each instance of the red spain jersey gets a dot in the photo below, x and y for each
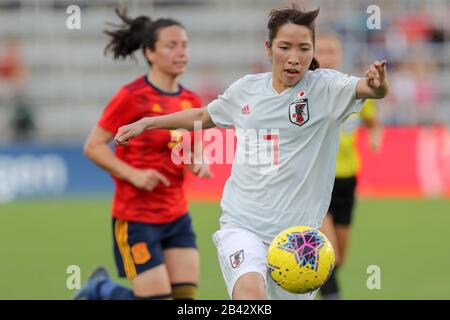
(150, 150)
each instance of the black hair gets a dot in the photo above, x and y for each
(280, 17)
(134, 34)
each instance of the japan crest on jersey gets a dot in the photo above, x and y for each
(237, 258)
(298, 111)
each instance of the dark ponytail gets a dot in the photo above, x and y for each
(314, 64)
(134, 34)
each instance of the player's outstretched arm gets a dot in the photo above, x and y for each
(179, 120)
(375, 84)
(97, 150)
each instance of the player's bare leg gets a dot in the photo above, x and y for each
(152, 283)
(328, 229)
(250, 286)
(342, 237)
(329, 290)
(183, 266)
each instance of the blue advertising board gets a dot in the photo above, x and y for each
(42, 171)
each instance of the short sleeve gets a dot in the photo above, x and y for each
(342, 92)
(118, 112)
(221, 110)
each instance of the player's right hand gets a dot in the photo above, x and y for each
(147, 179)
(127, 132)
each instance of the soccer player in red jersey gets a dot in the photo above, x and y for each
(154, 243)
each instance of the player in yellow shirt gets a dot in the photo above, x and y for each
(336, 225)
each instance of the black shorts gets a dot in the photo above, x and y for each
(343, 200)
(139, 246)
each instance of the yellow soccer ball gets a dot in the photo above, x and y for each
(300, 259)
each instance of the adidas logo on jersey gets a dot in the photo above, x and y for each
(245, 109)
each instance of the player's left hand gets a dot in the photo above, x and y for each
(200, 170)
(376, 74)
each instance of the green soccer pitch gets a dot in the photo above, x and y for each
(408, 239)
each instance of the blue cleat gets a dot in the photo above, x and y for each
(89, 290)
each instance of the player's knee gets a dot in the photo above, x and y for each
(250, 286)
(152, 283)
(184, 291)
(249, 291)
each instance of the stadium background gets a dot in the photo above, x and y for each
(54, 204)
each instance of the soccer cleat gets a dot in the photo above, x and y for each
(90, 290)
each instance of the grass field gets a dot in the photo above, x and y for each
(408, 239)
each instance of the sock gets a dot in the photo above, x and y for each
(160, 297)
(330, 290)
(109, 290)
(184, 291)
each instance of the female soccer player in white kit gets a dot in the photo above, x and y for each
(298, 108)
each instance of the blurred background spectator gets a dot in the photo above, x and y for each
(13, 94)
(70, 77)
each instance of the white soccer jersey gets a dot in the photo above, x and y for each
(284, 167)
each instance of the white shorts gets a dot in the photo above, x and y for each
(239, 252)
